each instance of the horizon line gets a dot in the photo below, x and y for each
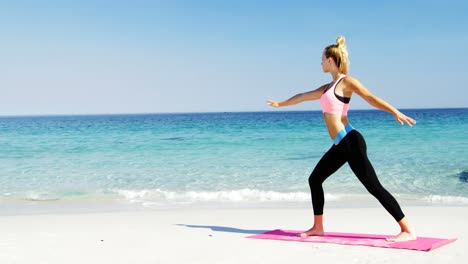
(209, 112)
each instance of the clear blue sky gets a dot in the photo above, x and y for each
(89, 57)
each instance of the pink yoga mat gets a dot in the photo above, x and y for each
(422, 243)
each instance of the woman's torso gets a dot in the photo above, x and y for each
(335, 103)
(335, 123)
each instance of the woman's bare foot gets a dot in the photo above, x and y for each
(317, 228)
(407, 233)
(312, 232)
(403, 236)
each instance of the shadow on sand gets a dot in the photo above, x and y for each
(226, 229)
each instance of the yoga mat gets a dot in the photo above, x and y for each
(422, 243)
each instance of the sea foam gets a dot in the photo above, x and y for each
(241, 195)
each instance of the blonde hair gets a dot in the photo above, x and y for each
(339, 54)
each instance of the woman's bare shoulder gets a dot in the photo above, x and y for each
(352, 82)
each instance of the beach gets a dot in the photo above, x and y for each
(156, 132)
(190, 188)
(218, 235)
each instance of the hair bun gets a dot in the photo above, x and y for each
(340, 40)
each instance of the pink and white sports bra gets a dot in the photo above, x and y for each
(332, 103)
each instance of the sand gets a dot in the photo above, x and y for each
(218, 235)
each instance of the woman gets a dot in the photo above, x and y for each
(348, 144)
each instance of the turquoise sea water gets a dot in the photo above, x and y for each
(163, 159)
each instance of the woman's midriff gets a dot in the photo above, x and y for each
(335, 123)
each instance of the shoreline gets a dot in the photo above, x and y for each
(237, 199)
(88, 205)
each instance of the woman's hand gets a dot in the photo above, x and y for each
(273, 103)
(402, 119)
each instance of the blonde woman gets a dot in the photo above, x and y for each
(348, 144)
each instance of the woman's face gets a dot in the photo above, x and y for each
(325, 63)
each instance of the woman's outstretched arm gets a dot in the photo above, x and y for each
(299, 98)
(377, 102)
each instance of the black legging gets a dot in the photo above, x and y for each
(351, 149)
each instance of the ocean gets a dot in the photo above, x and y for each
(240, 158)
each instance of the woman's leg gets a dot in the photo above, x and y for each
(328, 164)
(361, 166)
